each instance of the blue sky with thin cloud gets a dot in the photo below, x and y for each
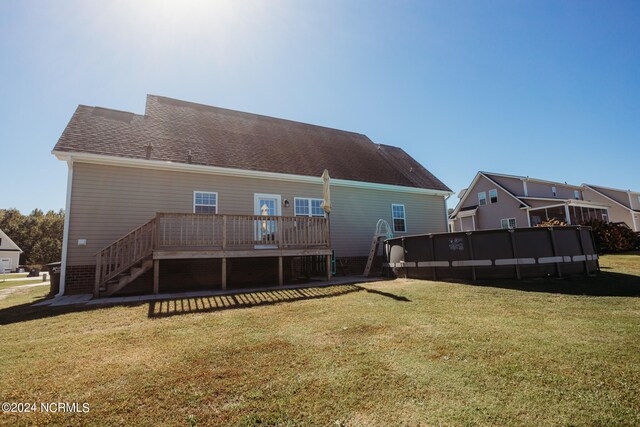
(548, 89)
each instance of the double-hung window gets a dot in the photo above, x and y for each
(554, 191)
(482, 198)
(493, 196)
(205, 202)
(399, 218)
(308, 207)
(508, 223)
(576, 194)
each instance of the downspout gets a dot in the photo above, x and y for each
(446, 214)
(65, 235)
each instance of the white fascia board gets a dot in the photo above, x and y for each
(572, 202)
(537, 208)
(216, 170)
(543, 198)
(582, 203)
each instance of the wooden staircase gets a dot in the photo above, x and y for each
(123, 279)
(125, 260)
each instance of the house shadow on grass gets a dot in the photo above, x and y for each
(603, 284)
(185, 305)
(27, 312)
(174, 307)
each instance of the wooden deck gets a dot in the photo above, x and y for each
(202, 236)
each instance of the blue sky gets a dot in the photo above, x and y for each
(545, 89)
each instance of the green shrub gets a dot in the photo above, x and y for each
(613, 237)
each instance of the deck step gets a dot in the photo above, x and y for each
(124, 279)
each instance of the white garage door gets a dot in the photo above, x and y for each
(5, 265)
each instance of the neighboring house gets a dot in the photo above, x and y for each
(624, 205)
(258, 178)
(9, 254)
(508, 201)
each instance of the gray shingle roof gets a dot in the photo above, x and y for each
(233, 139)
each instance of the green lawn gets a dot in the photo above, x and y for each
(4, 284)
(13, 276)
(403, 352)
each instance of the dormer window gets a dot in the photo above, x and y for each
(482, 198)
(554, 191)
(576, 194)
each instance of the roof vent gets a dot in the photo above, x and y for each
(410, 169)
(148, 149)
(189, 158)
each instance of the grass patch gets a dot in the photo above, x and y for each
(404, 352)
(13, 276)
(11, 283)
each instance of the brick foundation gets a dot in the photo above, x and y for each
(80, 279)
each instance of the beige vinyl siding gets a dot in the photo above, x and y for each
(514, 185)
(541, 189)
(109, 201)
(489, 216)
(616, 212)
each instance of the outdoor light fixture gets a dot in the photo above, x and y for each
(286, 203)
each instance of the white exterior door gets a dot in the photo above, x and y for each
(267, 205)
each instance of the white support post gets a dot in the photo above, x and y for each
(566, 213)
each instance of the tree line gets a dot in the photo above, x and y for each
(38, 234)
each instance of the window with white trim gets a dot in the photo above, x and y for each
(205, 202)
(576, 194)
(554, 191)
(493, 196)
(482, 198)
(308, 207)
(399, 218)
(507, 223)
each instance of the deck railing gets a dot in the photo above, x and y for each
(208, 231)
(240, 231)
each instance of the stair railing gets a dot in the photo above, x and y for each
(124, 253)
